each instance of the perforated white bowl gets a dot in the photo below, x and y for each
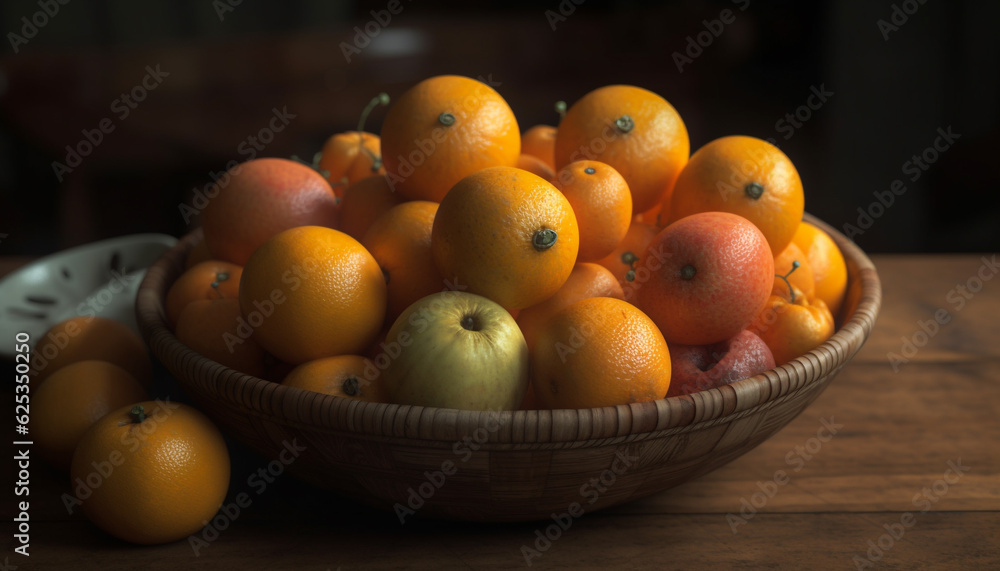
(100, 278)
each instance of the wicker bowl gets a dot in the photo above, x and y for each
(513, 465)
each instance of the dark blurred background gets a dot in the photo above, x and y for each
(893, 74)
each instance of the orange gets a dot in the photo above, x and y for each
(258, 199)
(86, 338)
(599, 352)
(792, 264)
(364, 202)
(535, 165)
(704, 278)
(169, 472)
(348, 376)
(199, 253)
(586, 280)
(826, 262)
(632, 129)
(508, 235)
(400, 241)
(73, 398)
(312, 292)
(353, 155)
(745, 176)
(213, 279)
(601, 201)
(621, 262)
(651, 216)
(540, 141)
(792, 327)
(443, 129)
(215, 329)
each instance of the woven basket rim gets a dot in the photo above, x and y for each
(297, 407)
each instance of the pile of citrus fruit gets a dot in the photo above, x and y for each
(453, 261)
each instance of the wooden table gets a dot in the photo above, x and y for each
(910, 480)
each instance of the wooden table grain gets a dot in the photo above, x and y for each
(895, 466)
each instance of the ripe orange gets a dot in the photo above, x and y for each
(745, 176)
(651, 216)
(264, 197)
(622, 261)
(213, 279)
(351, 156)
(540, 141)
(348, 376)
(704, 278)
(794, 266)
(827, 264)
(508, 235)
(86, 338)
(599, 352)
(443, 129)
(212, 328)
(364, 202)
(586, 280)
(535, 165)
(72, 399)
(791, 327)
(632, 129)
(601, 201)
(400, 241)
(312, 292)
(169, 472)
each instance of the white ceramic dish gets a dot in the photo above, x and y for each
(100, 278)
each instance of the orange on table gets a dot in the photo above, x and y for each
(353, 155)
(508, 235)
(312, 292)
(826, 262)
(348, 376)
(212, 327)
(746, 176)
(599, 351)
(540, 141)
(213, 279)
(170, 472)
(364, 202)
(621, 262)
(602, 204)
(400, 241)
(632, 129)
(263, 197)
(791, 327)
(87, 338)
(586, 280)
(800, 275)
(198, 253)
(445, 128)
(72, 399)
(535, 165)
(704, 278)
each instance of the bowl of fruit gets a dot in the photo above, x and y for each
(454, 319)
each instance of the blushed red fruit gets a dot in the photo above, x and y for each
(260, 198)
(702, 367)
(704, 278)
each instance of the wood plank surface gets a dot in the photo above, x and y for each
(897, 435)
